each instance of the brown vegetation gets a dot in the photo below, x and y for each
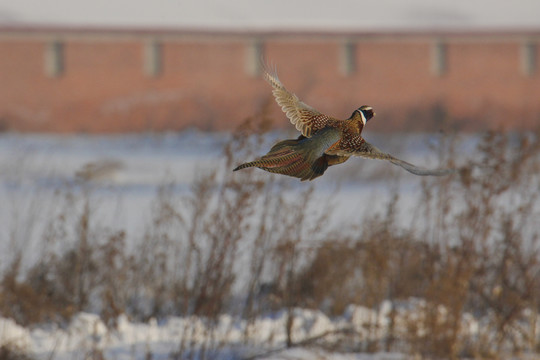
(238, 244)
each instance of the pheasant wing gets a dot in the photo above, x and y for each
(306, 119)
(356, 146)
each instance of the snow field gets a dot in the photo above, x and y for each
(34, 169)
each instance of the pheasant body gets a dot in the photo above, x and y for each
(303, 158)
(325, 141)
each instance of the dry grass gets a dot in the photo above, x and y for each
(475, 251)
(8, 352)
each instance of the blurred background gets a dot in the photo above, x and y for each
(99, 66)
(124, 233)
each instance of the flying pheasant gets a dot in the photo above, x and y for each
(325, 141)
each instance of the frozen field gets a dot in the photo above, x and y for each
(87, 334)
(131, 167)
(122, 174)
(127, 170)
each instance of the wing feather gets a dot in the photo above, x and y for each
(357, 146)
(306, 119)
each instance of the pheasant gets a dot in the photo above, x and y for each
(324, 140)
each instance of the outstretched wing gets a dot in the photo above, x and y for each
(355, 145)
(306, 119)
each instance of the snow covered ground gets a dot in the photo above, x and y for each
(125, 172)
(87, 336)
(130, 168)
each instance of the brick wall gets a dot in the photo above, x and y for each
(102, 83)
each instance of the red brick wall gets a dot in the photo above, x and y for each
(204, 83)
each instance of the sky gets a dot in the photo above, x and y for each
(337, 15)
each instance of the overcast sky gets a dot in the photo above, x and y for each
(365, 15)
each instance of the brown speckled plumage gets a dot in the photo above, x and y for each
(325, 141)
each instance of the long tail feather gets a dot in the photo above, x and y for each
(416, 170)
